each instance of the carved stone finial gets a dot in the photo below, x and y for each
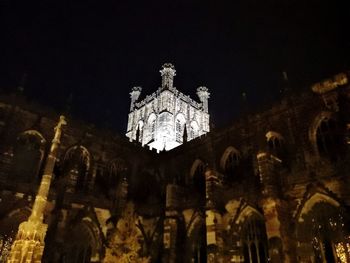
(168, 72)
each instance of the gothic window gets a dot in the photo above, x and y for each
(275, 144)
(140, 131)
(194, 129)
(254, 240)
(83, 242)
(151, 127)
(116, 172)
(198, 180)
(328, 138)
(28, 156)
(76, 166)
(324, 235)
(178, 130)
(230, 164)
(179, 127)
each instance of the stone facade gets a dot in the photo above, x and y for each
(272, 186)
(162, 119)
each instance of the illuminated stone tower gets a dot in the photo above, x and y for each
(28, 246)
(160, 119)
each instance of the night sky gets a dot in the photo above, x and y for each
(89, 54)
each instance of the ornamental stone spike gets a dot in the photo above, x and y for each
(168, 72)
(134, 95)
(29, 243)
(204, 95)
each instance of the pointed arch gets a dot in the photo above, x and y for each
(83, 152)
(194, 130)
(324, 115)
(322, 227)
(230, 150)
(308, 204)
(249, 229)
(29, 151)
(151, 127)
(247, 211)
(274, 140)
(34, 133)
(272, 134)
(327, 137)
(197, 181)
(140, 128)
(76, 165)
(180, 122)
(196, 238)
(276, 144)
(198, 163)
(84, 241)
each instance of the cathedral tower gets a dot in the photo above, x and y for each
(161, 119)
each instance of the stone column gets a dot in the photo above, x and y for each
(276, 212)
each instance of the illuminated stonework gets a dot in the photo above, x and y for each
(29, 244)
(161, 118)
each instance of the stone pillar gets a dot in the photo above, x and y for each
(213, 219)
(276, 212)
(171, 224)
(29, 243)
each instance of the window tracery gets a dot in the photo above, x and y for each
(324, 235)
(76, 166)
(329, 139)
(254, 240)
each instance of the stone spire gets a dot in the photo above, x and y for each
(29, 243)
(168, 72)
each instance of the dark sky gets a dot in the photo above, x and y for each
(96, 51)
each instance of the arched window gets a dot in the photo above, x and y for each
(275, 144)
(151, 127)
(329, 139)
(116, 171)
(179, 127)
(230, 163)
(194, 130)
(323, 234)
(83, 242)
(140, 131)
(28, 156)
(254, 240)
(198, 180)
(76, 166)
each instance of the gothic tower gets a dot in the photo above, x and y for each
(161, 119)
